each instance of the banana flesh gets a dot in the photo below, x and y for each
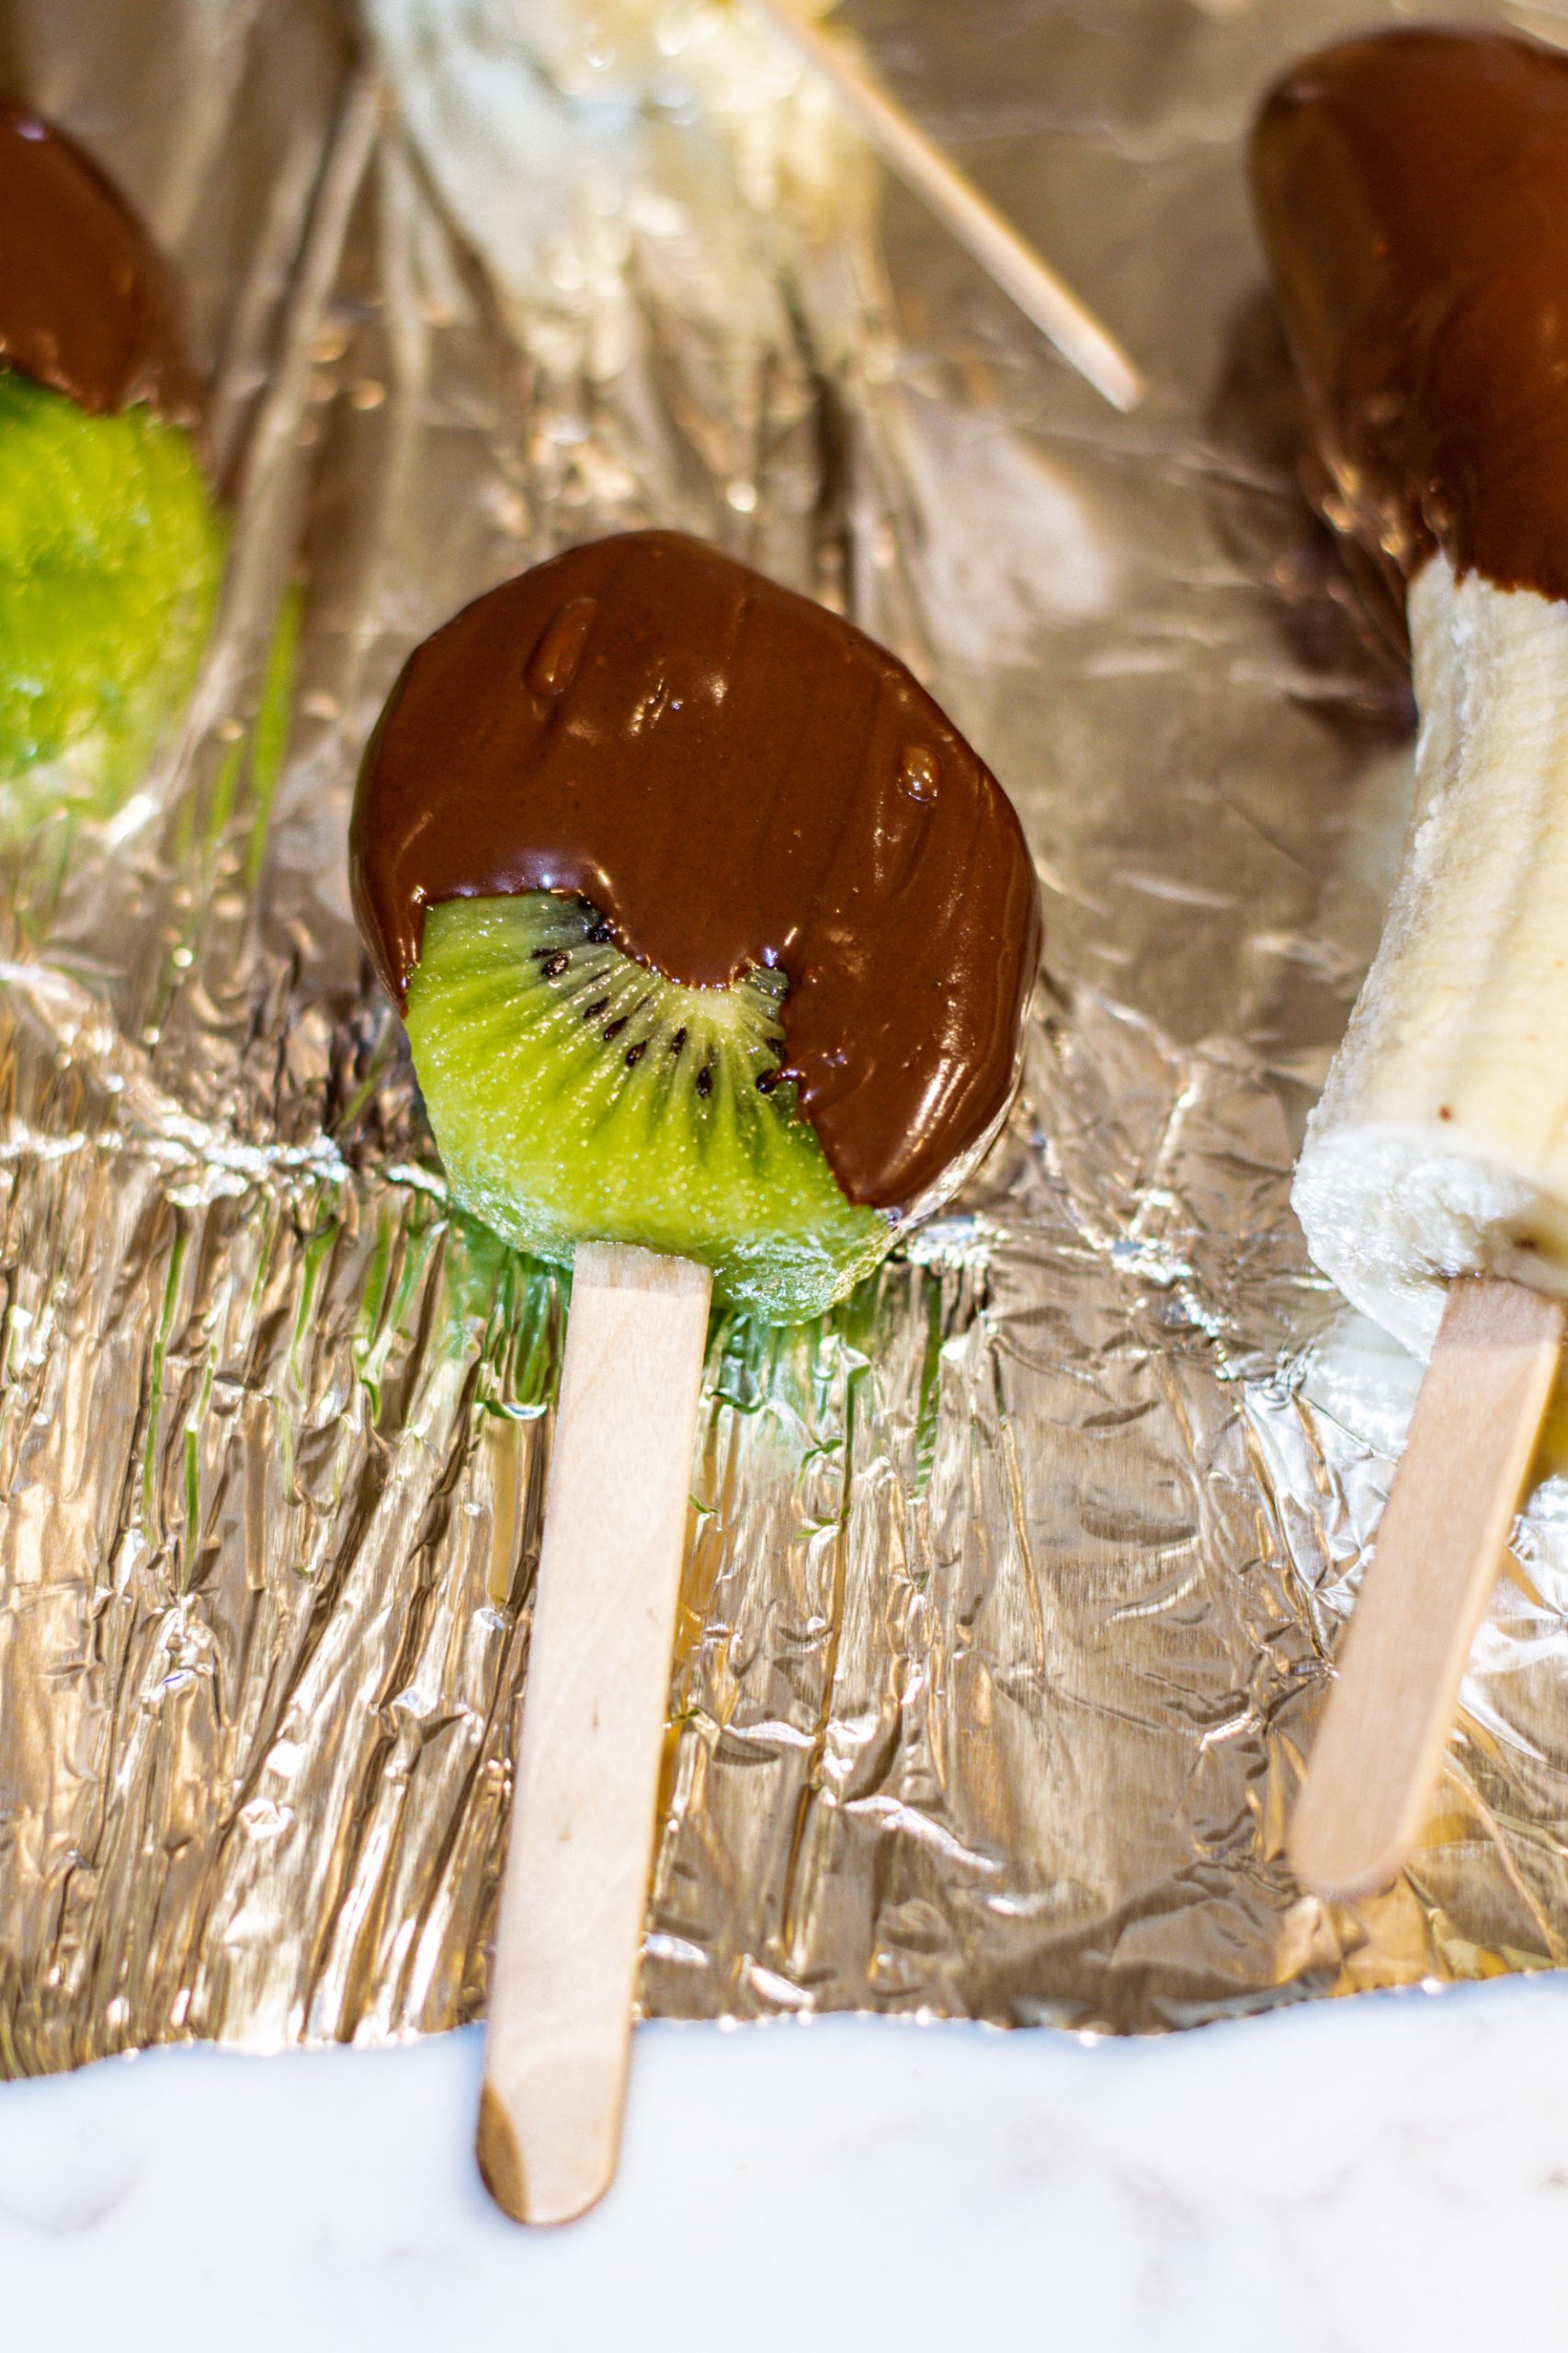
(1440, 1144)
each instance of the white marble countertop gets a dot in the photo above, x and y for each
(1388, 2173)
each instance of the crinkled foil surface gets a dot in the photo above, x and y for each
(1013, 1586)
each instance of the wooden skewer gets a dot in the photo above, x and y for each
(574, 1895)
(957, 203)
(1381, 1747)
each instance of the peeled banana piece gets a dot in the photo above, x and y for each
(1440, 1144)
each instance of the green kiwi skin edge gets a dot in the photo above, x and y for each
(111, 554)
(577, 1096)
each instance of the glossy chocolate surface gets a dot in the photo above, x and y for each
(87, 305)
(734, 776)
(1412, 189)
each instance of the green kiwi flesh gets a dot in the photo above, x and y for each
(109, 560)
(577, 1095)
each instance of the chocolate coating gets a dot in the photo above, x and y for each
(1412, 189)
(734, 776)
(87, 305)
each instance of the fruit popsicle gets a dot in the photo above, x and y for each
(109, 551)
(715, 943)
(1412, 190)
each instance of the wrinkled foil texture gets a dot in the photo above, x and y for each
(1014, 1585)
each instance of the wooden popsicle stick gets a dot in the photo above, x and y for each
(957, 203)
(574, 1894)
(1379, 1749)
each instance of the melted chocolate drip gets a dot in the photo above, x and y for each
(734, 776)
(86, 306)
(1412, 188)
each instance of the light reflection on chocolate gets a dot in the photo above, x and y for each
(921, 773)
(725, 770)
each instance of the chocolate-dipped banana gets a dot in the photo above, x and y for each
(1413, 193)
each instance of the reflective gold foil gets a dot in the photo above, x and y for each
(1013, 1588)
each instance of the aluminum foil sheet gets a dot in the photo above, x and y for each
(1014, 1585)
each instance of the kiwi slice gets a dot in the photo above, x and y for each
(577, 1095)
(109, 560)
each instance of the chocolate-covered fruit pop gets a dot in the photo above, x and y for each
(109, 551)
(715, 942)
(1412, 188)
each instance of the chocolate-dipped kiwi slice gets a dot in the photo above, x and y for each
(110, 548)
(713, 935)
